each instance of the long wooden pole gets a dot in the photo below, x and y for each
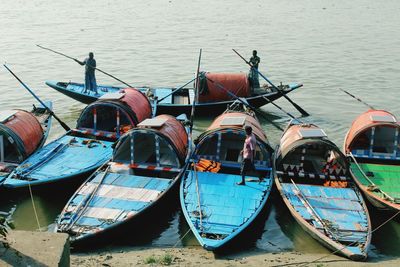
(102, 71)
(356, 98)
(64, 125)
(301, 110)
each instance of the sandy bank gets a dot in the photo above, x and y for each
(196, 256)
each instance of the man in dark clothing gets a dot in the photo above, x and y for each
(254, 61)
(90, 78)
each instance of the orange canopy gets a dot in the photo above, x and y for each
(175, 132)
(218, 123)
(138, 102)
(27, 128)
(236, 83)
(367, 120)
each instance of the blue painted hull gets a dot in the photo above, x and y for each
(74, 90)
(64, 159)
(229, 209)
(129, 210)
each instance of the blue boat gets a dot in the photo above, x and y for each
(312, 176)
(212, 99)
(79, 152)
(21, 134)
(215, 207)
(147, 164)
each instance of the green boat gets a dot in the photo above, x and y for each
(372, 145)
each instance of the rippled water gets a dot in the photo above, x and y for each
(326, 45)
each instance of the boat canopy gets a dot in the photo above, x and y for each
(224, 139)
(374, 134)
(161, 141)
(213, 86)
(20, 135)
(305, 149)
(115, 113)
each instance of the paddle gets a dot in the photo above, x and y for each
(244, 103)
(356, 98)
(74, 59)
(302, 111)
(176, 90)
(311, 210)
(65, 126)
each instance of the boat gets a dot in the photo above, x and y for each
(312, 176)
(212, 98)
(72, 157)
(21, 134)
(372, 146)
(215, 207)
(146, 166)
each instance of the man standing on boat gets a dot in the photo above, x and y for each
(90, 78)
(254, 61)
(248, 152)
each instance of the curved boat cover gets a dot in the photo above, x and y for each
(25, 126)
(173, 130)
(365, 122)
(115, 112)
(211, 91)
(237, 120)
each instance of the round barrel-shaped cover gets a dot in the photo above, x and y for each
(175, 132)
(27, 128)
(218, 83)
(138, 102)
(222, 121)
(367, 120)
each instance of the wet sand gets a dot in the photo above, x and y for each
(196, 256)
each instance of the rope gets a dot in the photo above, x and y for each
(34, 207)
(180, 239)
(338, 250)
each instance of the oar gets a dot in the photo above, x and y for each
(302, 111)
(65, 126)
(176, 90)
(102, 71)
(356, 98)
(311, 210)
(86, 201)
(369, 180)
(244, 103)
(290, 115)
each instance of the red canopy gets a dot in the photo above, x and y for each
(236, 83)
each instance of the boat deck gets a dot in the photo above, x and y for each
(340, 208)
(225, 205)
(386, 177)
(64, 157)
(118, 197)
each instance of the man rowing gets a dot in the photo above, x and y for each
(90, 78)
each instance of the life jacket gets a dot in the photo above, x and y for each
(335, 184)
(205, 165)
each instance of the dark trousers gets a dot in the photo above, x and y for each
(247, 165)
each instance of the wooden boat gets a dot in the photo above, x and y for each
(313, 179)
(372, 145)
(212, 99)
(21, 134)
(81, 151)
(215, 207)
(147, 164)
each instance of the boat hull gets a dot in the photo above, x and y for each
(167, 108)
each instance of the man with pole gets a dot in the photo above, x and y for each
(254, 61)
(90, 78)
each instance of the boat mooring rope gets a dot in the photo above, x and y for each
(301, 264)
(34, 207)
(181, 238)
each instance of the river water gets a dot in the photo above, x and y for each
(326, 45)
